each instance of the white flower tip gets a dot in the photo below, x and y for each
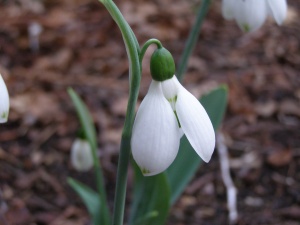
(81, 155)
(3, 116)
(205, 148)
(151, 167)
(278, 9)
(156, 163)
(246, 28)
(4, 101)
(206, 156)
(148, 173)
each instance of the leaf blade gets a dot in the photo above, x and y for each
(151, 200)
(85, 118)
(89, 197)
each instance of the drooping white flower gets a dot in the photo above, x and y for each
(4, 101)
(251, 14)
(168, 111)
(81, 155)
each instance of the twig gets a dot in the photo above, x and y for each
(34, 31)
(225, 171)
(3, 209)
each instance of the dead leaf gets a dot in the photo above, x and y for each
(280, 157)
(39, 106)
(265, 109)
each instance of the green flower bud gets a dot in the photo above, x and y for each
(162, 65)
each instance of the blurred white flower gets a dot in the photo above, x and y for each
(167, 111)
(251, 14)
(34, 31)
(81, 155)
(4, 101)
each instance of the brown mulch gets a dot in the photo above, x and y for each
(80, 46)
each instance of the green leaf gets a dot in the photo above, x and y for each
(89, 197)
(146, 218)
(183, 169)
(151, 200)
(215, 104)
(85, 118)
(90, 134)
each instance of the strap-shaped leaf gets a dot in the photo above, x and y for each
(85, 118)
(90, 134)
(182, 170)
(151, 200)
(89, 197)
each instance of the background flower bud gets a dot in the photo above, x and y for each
(4, 101)
(81, 155)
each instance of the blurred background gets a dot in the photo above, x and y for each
(47, 46)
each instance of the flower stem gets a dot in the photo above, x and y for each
(192, 39)
(146, 45)
(133, 50)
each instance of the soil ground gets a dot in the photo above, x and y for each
(80, 46)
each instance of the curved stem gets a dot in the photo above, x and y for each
(193, 37)
(133, 50)
(146, 46)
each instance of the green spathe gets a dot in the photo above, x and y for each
(162, 65)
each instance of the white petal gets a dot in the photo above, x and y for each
(170, 87)
(250, 14)
(170, 90)
(228, 9)
(81, 155)
(4, 101)
(278, 9)
(155, 137)
(195, 124)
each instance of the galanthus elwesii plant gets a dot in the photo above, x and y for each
(251, 14)
(167, 112)
(166, 137)
(4, 101)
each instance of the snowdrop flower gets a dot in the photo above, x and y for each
(167, 111)
(4, 101)
(251, 14)
(81, 155)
